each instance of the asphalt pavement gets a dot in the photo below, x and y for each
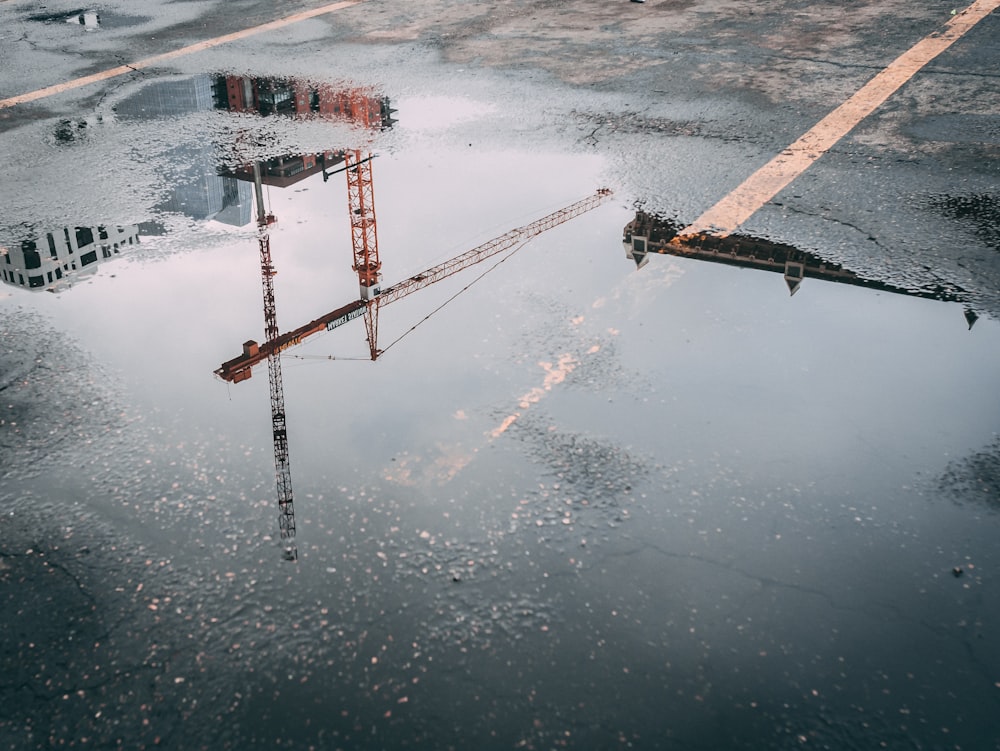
(607, 498)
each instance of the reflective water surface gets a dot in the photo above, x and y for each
(572, 503)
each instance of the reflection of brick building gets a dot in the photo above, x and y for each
(292, 97)
(50, 262)
(275, 96)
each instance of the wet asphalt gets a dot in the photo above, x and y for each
(595, 506)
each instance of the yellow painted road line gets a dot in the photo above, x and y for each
(554, 375)
(769, 180)
(157, 59)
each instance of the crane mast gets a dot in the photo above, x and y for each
(279, 430)
(364, 238)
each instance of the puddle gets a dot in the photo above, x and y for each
(90, 19)
(980, 212)
(580, 497)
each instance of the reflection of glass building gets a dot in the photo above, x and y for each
(197, 191)
(651, 234)
(236, 202)
(52, 261)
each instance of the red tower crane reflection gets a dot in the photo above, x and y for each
(368, 112)
(267, 96)
(240, 367)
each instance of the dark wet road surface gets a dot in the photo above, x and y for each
(582, 505)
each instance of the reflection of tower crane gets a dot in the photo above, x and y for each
(277, 96)
(240, 368)
(366, 263)
(269, 96)
(282, 468)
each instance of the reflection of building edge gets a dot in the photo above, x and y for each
(298, 98)
(649, 234)
(50, 262)
(284, 171)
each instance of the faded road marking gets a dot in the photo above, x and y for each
(769, 180)
(554, 374)
(157, 59)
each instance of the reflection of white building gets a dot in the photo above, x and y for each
(51, 262)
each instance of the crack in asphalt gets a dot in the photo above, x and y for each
(47, 696)
(834, 220)
(763, 581)
(966, 643)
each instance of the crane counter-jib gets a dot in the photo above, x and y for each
(240, 368)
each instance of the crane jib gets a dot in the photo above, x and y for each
(240, 368)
